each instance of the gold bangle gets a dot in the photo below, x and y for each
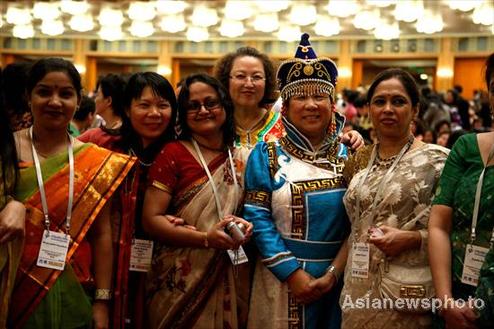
(102, 294)
(206, 242)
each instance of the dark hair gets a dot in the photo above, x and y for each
(14, 79)
(135, 86)
(8, 155)
(113, 85)
(489, 69)
(87, 106)
(225, 101)
(223, 68)
(403, 76)
(453, 137)
(53, 64)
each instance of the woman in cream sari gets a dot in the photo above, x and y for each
(192, 283)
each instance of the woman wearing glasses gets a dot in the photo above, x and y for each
(192, 282)
(249, 77)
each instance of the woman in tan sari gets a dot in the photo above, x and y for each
(192, 283)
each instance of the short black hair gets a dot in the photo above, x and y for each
(87, 106)
(113, 85)
(53, 64)
(403, 76)
(225, 101)
(133, 90)
(223, 67)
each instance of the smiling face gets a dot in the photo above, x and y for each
(205, 114)
(149, 115)
(391, 109)
(247, 82)
(311, 115)
(53, 101)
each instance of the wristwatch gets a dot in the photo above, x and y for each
(102, 294)
(332, 269)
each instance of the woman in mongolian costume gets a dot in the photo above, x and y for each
(294, 190)
(65, 186)
(192, 282)
(149, 107)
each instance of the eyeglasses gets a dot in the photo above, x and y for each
(240, 77)
(209, 105)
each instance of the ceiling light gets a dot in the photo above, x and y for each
(46, 10)
(170, 6)
(111, 33)
(238, 10)
(464, 5)
(445, 72)
(110, 17)
(424, 76)
(266, 22)
(203, 16)
(197, 34)
(23, 31)
(366, 19)
(302, 14)
(164, 70)
(327, 26)
(289, 33)
(141, 29)
(18, 16)
(52, 28)
(381, 3)
(81, 23)
(387, 31)
(74, 7)
(141, 11)
(173, 23)
(430, 23)
(231, 28)
(272, 5)
(342, 8)
(408, 10)
(484, 14)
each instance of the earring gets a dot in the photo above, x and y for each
(332, 125)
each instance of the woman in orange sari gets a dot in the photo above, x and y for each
(68, 234)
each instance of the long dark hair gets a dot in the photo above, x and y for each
(130, 139)
(113, 85)
(8, 155)
(225, 101)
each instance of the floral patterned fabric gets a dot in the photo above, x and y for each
(405, 204)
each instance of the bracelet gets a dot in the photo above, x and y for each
(206, 242)
(332, 269)
(102, 294)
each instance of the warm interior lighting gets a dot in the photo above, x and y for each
(238, 10)
(430, 22)
(173, 23)
(387, 31)
(110, 17)
(169, 7)
(231, 28)
(344, 72)
(52, 28)
(141, 11)
(271, 5)
(342, 8)
(289, 33)
(81, 23)
(46, 10)
(23, 31)
(327, 26)
(164, 70)
(203, 16)
(111, 33)
(197, 33)
(445, 72)
(81, 68)
(408, 11)
(366, 19)
(74, 7)
(302, 14)
(18, 16)
(141, 29)
(266, 23)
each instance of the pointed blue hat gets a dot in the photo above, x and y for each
(306, 74)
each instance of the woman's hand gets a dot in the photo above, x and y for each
(353, 139)
(177, 221)
(100, 314)
(218, 238)
(248, 227)
(302, 288)
(325, 283)
(459, 318)
(12, 219)
(394, 241)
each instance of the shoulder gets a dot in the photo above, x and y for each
(435, 150)
(170, 149)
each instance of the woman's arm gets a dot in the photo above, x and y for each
(440, 223)
(100, 238)
(12, 219)
(394, 241)
(154, 222)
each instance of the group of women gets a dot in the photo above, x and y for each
(330, 224)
